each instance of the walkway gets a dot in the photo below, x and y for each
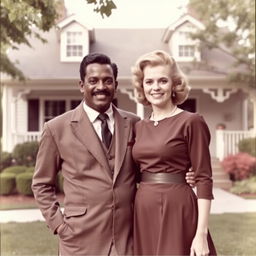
(224, 202)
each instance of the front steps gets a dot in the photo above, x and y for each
(220, 178)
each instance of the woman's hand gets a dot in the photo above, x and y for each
(199, 246)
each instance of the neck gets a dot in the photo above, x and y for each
(159, 113)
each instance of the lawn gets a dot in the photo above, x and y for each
(233, 234)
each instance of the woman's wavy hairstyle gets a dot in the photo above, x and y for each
(180, 87)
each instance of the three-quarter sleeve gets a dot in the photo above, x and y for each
(198, 139)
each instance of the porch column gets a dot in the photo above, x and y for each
(220, 148)
(254, 112)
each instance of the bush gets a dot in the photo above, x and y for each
(7, 183)
(25, 153)
(244, 186)
(248, 146)
(30, 169)
(240, 166)
(23, 183)
(15, 169)
(60, 182)
(6, 160)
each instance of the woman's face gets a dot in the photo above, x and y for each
(157, 85)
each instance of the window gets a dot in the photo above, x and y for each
(186, 50)
(33, 115)
(74, 46)
(74, 42)
(53, 108)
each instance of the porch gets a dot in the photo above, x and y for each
(226, 140)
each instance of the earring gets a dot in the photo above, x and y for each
(173, 94)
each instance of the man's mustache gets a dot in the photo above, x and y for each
(105, 92)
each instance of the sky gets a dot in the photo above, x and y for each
(130, 13)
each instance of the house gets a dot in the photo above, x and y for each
(53, 74)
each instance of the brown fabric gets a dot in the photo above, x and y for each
(98, 206)
(165, 218)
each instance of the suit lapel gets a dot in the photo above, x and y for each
(121, 136)
(85, 133)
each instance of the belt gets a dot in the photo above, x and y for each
(163, 177)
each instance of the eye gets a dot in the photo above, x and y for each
(148, 82)
(163, 81)
(108, 81)
(92, 81)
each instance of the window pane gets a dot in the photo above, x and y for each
(33, 115)
(53, 108)
(186, 50)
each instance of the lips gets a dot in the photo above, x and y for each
(101, 93)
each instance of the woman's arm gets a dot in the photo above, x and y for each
(199, 245)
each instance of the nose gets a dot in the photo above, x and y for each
(155, 86)
(100, 84)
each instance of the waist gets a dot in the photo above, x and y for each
(163, 177)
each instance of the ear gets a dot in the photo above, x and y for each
(81, 86)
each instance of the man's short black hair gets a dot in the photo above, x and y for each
(96, 58)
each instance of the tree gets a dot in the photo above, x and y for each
(17, 19)
(104, 7)
(238, 39)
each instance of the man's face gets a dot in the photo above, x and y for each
(99, 86)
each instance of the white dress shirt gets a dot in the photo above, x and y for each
(93, 114)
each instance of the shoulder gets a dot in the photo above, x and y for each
(193, 118)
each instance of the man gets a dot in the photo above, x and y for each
(93, 153)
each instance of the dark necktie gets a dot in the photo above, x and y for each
(105, 132)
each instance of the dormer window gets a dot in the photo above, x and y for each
(74, 40)
(182, 47)
(186, 50)
(74, 44)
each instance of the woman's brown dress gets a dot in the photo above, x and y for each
(165, 218)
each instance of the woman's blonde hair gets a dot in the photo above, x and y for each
(180, 88)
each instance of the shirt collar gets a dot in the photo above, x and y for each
(93, 114)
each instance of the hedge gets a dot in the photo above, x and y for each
(7, 183)
(23, 183)
(18, 169)
(60, 182)
(248, 146)
(25, 153)
(30, 169)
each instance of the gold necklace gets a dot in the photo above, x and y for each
(157, 122)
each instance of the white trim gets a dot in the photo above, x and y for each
(218, 94)
(186, 18)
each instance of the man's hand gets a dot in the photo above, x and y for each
(190, 178)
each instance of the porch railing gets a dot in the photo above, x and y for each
(227, 141)
(24, 137)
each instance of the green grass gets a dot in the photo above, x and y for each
(233, 234)
(25, 239)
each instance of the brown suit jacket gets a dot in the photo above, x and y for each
(98, 208)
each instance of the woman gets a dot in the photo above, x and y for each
(169, 218)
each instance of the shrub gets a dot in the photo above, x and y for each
(248, 146)
(6, 160)
(240, 166)
(23, 183)
(30, 169)
(7, 183)
(60, 182)
(25, 153)
(244, 186)
(17, 169)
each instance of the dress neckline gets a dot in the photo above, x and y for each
(161, 120)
